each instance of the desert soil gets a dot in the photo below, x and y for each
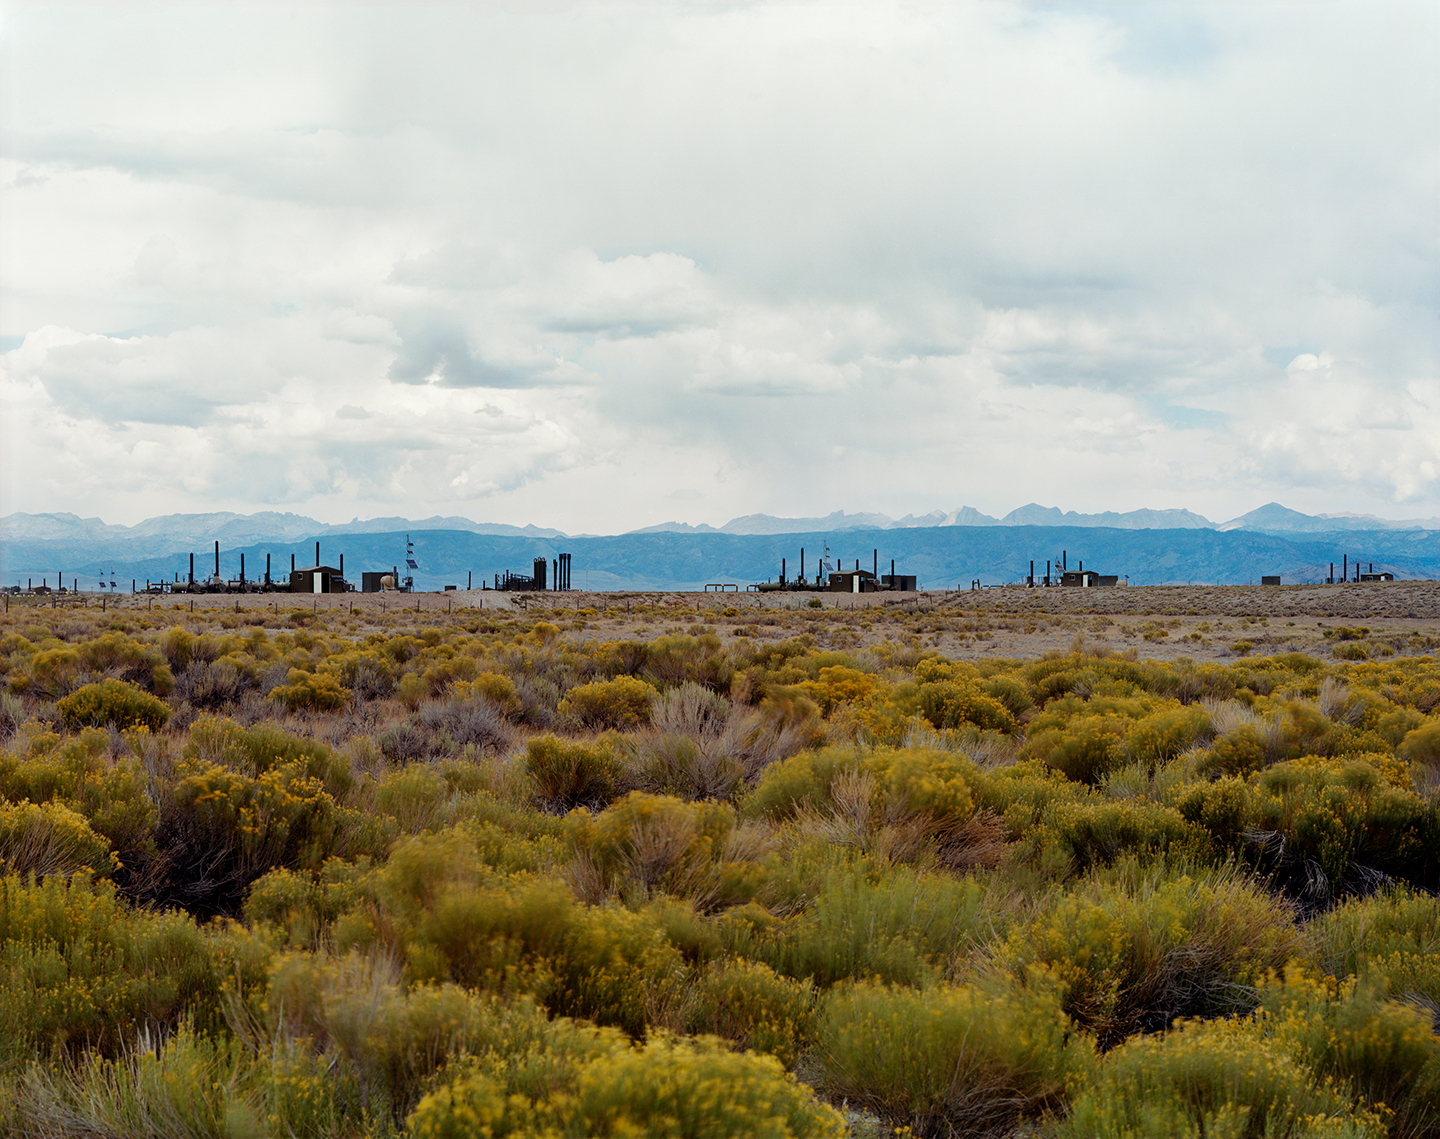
(1159, 622)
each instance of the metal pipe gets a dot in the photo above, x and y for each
(267, 569)
(317, 553)
(802, 565)
(242, 569)
(192, 567)
(217, 558)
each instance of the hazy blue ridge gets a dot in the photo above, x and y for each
(942, 557)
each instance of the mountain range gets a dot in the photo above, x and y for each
(1147, 547)
(190, 531)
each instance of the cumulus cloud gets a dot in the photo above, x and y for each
(577, 265)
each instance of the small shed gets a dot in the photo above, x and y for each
(1087, 579)
(1383, 575)
(905, 582)
(316, 579)
(853, 581)
(1272, 580)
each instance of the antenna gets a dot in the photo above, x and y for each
(409, 582)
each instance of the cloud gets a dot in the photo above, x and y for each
(575, 265)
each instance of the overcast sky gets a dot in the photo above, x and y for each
(599, 266)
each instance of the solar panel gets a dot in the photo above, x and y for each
(411, 563)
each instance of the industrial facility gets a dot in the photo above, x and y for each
(536, 582)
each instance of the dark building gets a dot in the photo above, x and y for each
(316, 579)
(1383, 575)
(1087, 579)
(901, 581)
(853, 581)
(371, 582)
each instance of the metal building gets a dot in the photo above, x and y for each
(317, 579)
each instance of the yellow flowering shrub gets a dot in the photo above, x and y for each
(623, 702)
(80, 966)
(113, 702)
(1208, 1080)
(753, 1007)
(1383, 1052)
(50, 838)
(314, 691)
(668, 1088)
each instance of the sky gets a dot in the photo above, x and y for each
(600, 266)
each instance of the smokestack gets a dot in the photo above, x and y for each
(1032, 572)
(292, 563)
(217, 559)
(1064, 560)
(877, 563)
(802, 563)
(192, 567)
(893, 583)
(267, 569)
(782, 571)
(242, 569)
(1345, 567)
(469, 579)
(342, 567)
(317, 553)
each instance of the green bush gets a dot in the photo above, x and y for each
(262, 747)
(753, 1007)
(644, 844)
(1134, 949)
(570, 773)
(903, 927)
(81, 967)
(1219, 1079)
(112, 702)
(947, 1061)
(1085, 749)
(192, 1084)
(113, 796)
(1422, 746)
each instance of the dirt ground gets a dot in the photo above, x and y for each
(1160, 622)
